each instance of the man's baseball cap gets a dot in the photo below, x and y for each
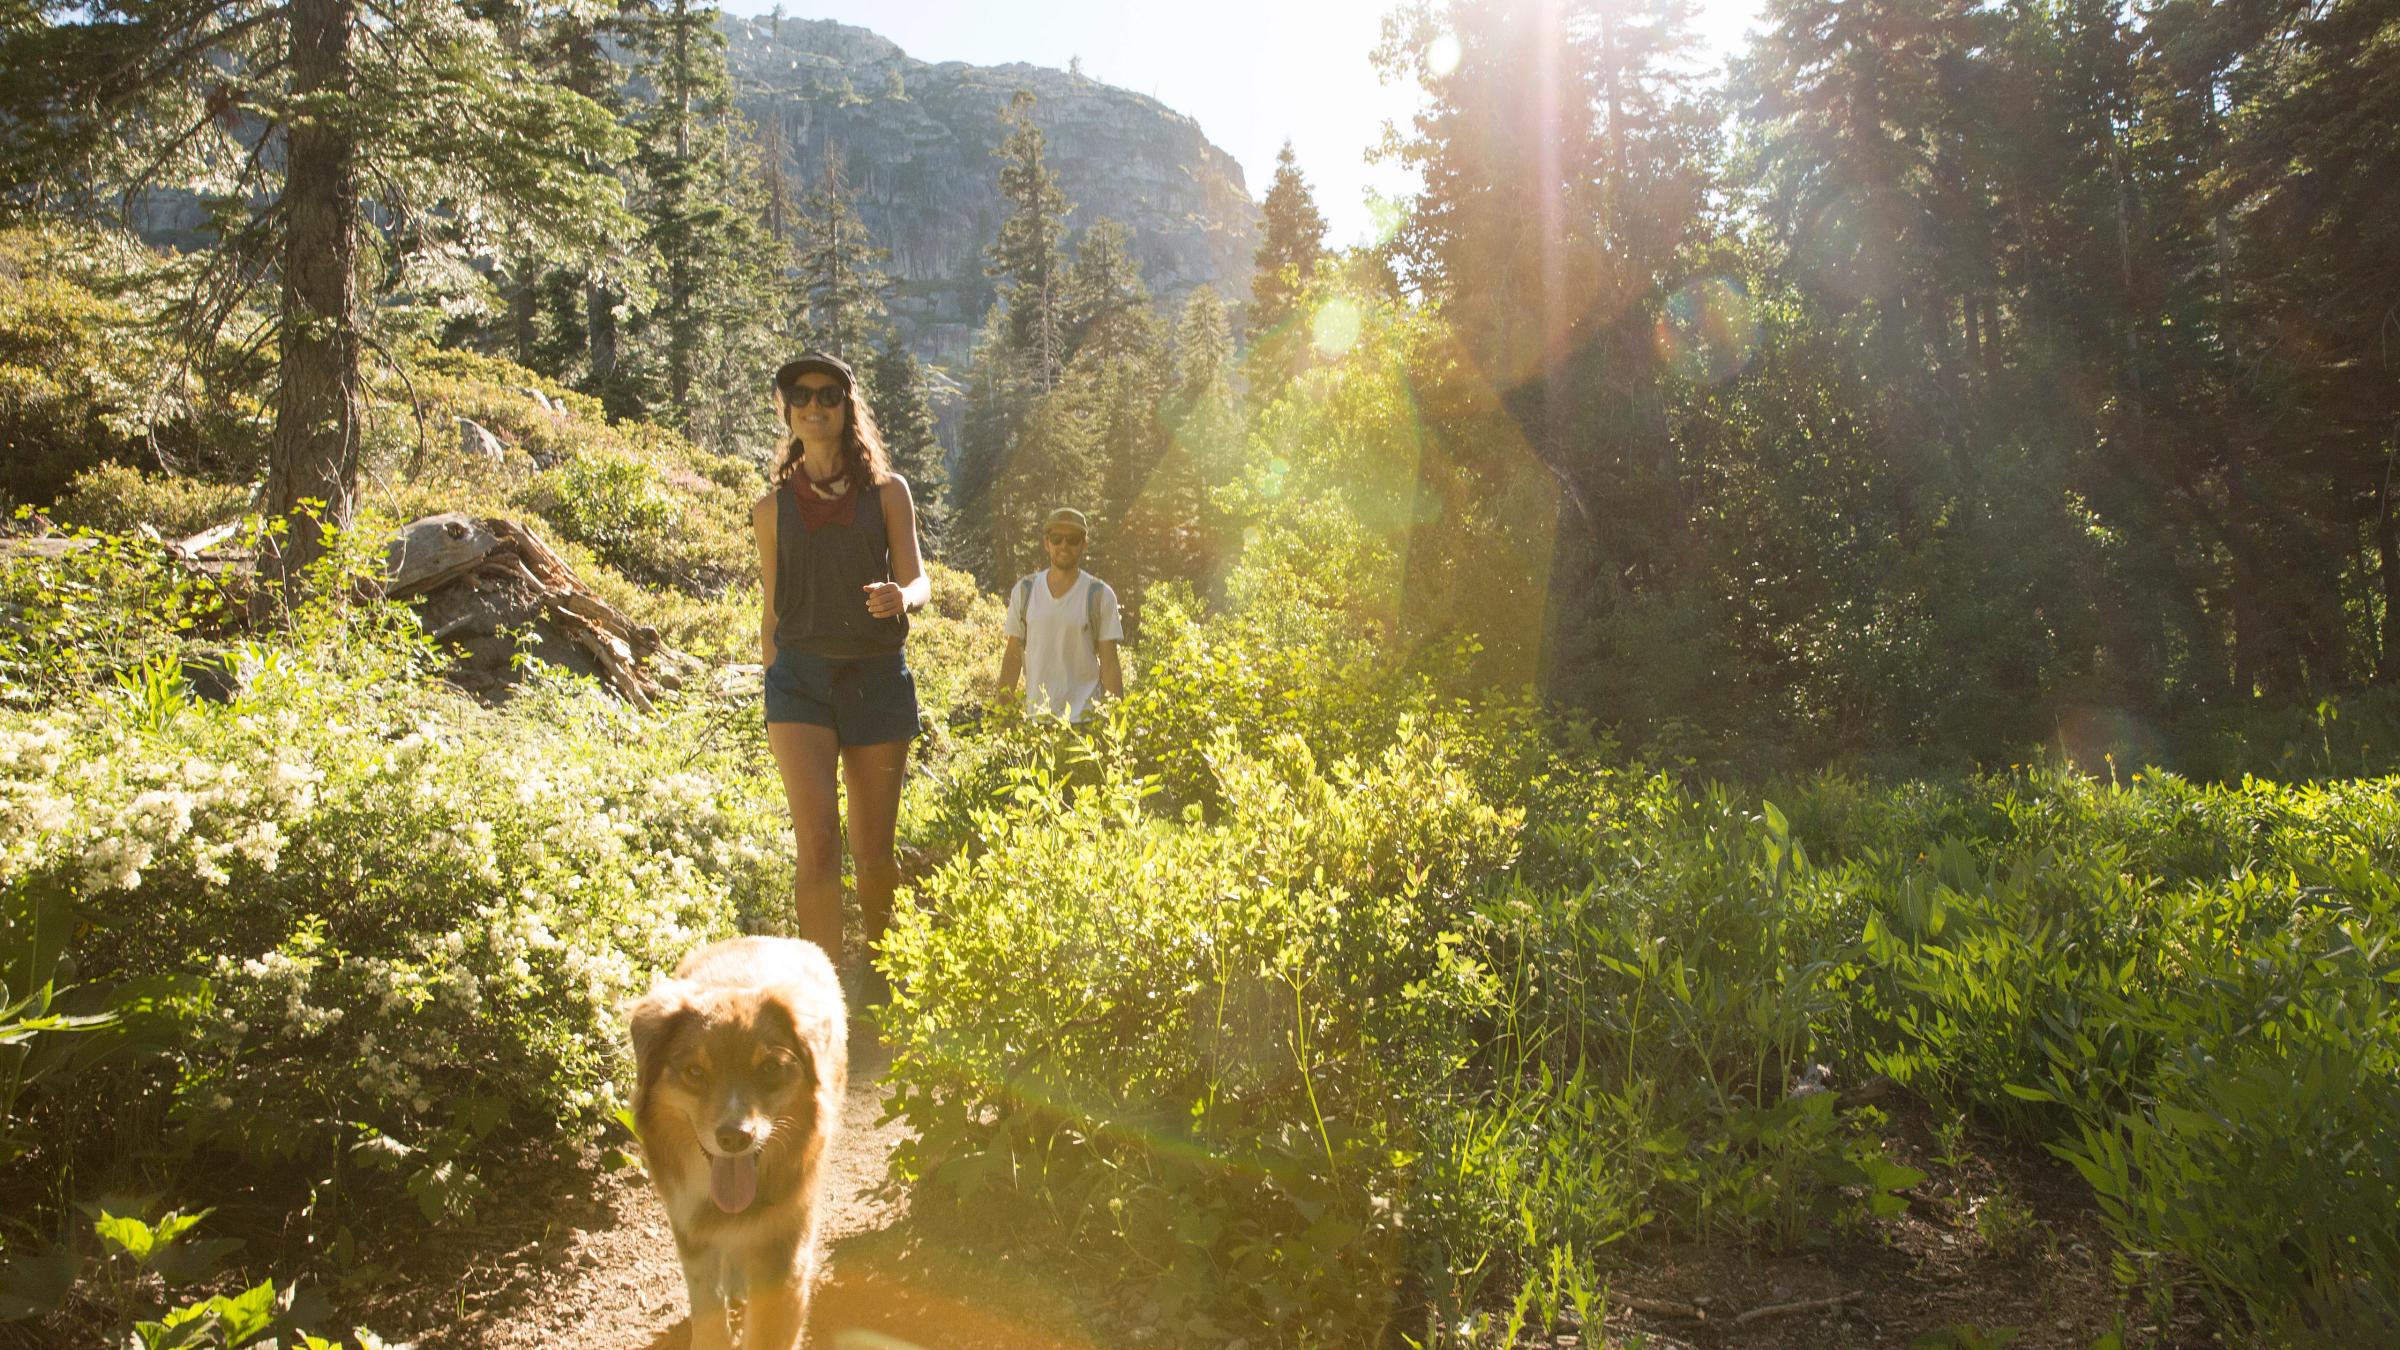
(1068, 515)
(787, 376)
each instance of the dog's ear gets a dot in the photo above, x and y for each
(656, 1019)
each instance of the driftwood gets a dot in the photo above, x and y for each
(433, 552)
(507, 561)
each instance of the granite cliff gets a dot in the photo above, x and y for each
(918, 141)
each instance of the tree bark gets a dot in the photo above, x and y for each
(2387, 550)
(523, 287)
(319, 404)
(600, 317)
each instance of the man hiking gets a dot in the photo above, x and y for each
(1063, 628)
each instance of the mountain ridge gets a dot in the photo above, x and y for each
(918, 138)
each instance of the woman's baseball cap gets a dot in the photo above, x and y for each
(787, 376)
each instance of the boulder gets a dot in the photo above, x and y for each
(477, 445)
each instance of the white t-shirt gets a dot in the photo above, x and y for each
(1062, 652)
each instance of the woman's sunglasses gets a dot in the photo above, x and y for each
(826, 395)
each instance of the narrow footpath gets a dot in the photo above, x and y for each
(611, 1281)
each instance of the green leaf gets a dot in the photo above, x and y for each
(127, 1235)
(1885, 1175)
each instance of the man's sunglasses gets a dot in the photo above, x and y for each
(1064, 538)
(826, 395)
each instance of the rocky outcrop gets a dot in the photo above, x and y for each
(918, 141)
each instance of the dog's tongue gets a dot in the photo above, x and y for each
(733, 1182)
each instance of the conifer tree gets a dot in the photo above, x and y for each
(436, 149)
(1503, 228)
(1025, 258)
(700, 203)
(997, 395)
(1291, 242)
(1103, 290)
(1058, 456)
(841, 284)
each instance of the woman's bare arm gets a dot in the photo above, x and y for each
(762, 523)
(909, 587)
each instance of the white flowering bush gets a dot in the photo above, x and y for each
(392, 930)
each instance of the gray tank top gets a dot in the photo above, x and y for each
(820, 603)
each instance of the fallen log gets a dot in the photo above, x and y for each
(446, 550)
(433, 552)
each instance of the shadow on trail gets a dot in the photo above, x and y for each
(883, 1292)
(898, 1285)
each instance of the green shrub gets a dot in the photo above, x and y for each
(106, 607)
(117, 498)
(2183, 991)
(366, 957)
(1195, 1050)
(93, 368)
(68, 396)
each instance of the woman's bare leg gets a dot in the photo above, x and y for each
(873, 774)
(805, 754)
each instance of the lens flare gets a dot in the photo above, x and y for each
(1335, 327)
(1708, 330)
(1443, 54)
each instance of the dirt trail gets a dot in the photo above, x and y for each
(602, 1274)
(608, 1279)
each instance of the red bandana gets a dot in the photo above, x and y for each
(818, 510)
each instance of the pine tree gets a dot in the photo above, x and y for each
(1057, 457)
(1103, 287)
(702, 344)
(1025, 258)
(1175, 522)
(1292, 240)
(436, 149)
(1503, 229)
(840, 282)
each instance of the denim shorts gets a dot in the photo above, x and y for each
(867, 700)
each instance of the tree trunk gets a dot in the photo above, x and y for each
(2126, 295)
(2387, 551)
(319, 404)
(600, 319)
(2266, 656)
(523, 289)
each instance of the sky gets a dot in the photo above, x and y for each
(1251, 72)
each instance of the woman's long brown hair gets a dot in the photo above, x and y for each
(862, 444)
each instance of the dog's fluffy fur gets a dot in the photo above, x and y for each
(741, 1061)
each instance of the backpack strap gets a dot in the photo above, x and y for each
(1025, 598)
(1091, 611)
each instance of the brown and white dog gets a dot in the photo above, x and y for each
(741, 1061)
